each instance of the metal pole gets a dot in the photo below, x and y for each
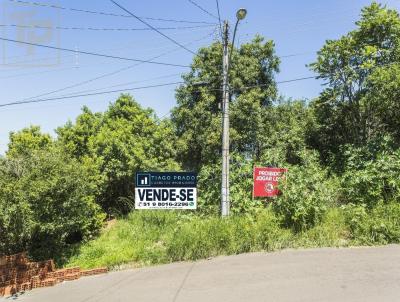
(225, 126)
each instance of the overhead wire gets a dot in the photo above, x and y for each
(298, 54)
(38, 72)
(102, 28)
(87, 94)
(152, 27)
(219, 19)
(92, 53)
(159, 46)
(306, 26)
(103, 13)
(128, 83)
(137, 88)
(70, 56)
(202, 9)
(115, 71)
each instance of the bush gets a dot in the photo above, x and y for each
(16, 215)
(373, 181)
(306, 195)
(46, 203)
(380, 225)
(331, 231)
(241, 181)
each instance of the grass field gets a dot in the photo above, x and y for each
(155, 237)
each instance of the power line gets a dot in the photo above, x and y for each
(92, 53)
(113, 72)
(80, 93)
(219, 18)
(279, 82)
(11, 63)
(296, 80)
(70, 56)
(152, 27)
(90, 80)
(102, 28)
(127, 83)
(103, 13)
(203, 9)
(298, 54)
(137, 88)
(39, 72)
(309, 25)
(88, 94)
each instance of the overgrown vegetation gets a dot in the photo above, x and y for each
(145, 238)
(341, 150)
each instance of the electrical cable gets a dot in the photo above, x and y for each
(127, 83)
(152, 27)
(279, 82)
(39, 72)
(103, 13)
(88, 94)
(102, 29)
(159, 46)
(92, 53)
(219, 19)
(298, 54)
(296, 80)
(113, 72)
(161, 85)
(137, 88)
(202, 9)
(70, 56)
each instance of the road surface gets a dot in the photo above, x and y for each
(356, 274)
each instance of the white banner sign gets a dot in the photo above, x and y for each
(166, 190)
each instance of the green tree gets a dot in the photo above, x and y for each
(343, 112)
(383, 96)
(75, 137)
(16, 216)
(121, 141)
(197, 117)
(27, 140)
(284, 135)
(282, 142)
(46, 203)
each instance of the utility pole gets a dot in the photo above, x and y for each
(225, 202)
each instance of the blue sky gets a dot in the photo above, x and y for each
(297, 27)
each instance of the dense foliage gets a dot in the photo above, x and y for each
(46, 202)
(359, 102)
(124, 139)
(197, 116)
(341, 151)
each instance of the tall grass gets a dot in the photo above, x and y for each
(155, 237)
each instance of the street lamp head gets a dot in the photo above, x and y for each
(241, 14)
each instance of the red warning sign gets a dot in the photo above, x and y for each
(266, 180)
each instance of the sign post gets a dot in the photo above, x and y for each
(166, 190)
(266, 180)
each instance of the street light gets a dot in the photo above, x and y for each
(225, 202)
(241, 13)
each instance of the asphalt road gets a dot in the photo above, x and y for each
(356, 274)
